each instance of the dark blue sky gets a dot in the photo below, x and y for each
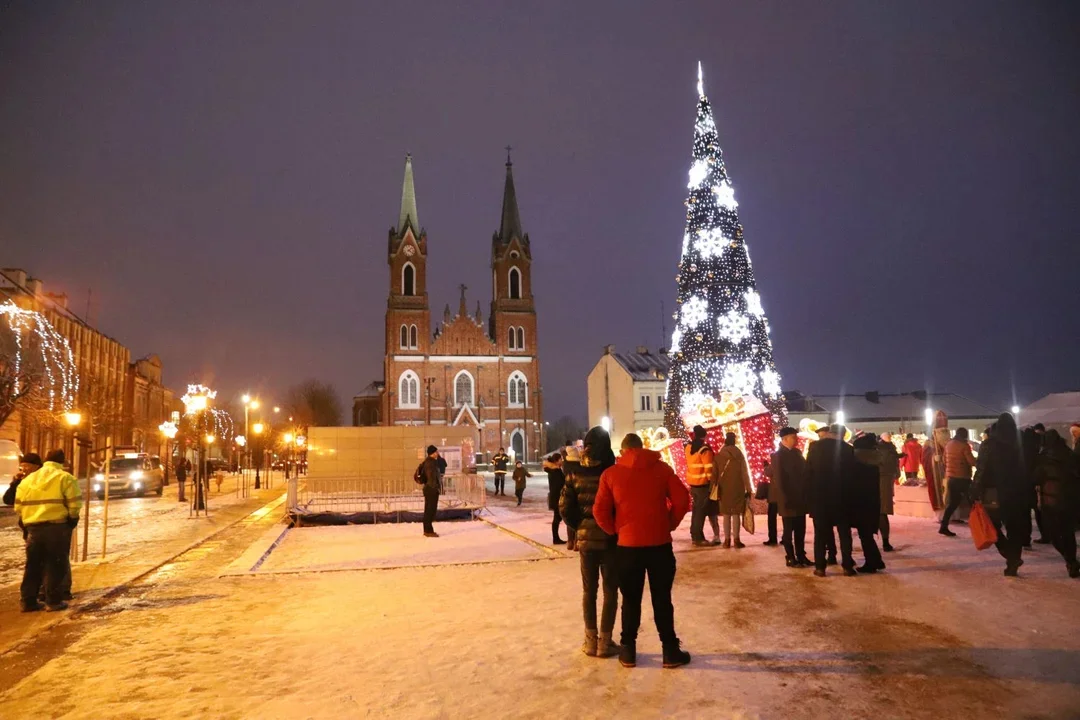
(223, 176)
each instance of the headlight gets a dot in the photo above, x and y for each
(99, 477)
(136, 474)
(97, 488)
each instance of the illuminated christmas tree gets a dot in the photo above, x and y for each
(721, 338)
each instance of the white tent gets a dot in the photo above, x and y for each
(1057, 410)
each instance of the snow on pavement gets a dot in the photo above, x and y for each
(940, 633)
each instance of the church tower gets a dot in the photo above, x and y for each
(408, 317)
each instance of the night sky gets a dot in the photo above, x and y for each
(223, 176)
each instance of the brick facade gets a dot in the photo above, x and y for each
(466, 372)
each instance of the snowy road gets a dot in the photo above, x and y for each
(940, 633)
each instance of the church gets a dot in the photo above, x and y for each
(465, 371)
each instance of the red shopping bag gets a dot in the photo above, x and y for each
(983, 533)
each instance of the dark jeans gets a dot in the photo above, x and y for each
(597, 564)
(870, 551)
(658, 561)
(883, 527)
(500, 483)
(700, 494)
(555, 520)
(520, 494)
(1060, 526)
(1011, 526)
(958, 490)
(795, 526)
(772, 521)
(431, 504)
(47, 547)
(823, 533)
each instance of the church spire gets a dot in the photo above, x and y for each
(511, 221)
(408, 201)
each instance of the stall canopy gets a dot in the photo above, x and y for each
(1057, 410)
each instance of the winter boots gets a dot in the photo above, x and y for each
(599, 645)
(674, 656)
(628, 655)
(589, 646)
(606, 647)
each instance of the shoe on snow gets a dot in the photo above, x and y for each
(674, 656)
(628, 655)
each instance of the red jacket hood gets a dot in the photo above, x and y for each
(638, 458)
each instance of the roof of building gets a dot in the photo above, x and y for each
(888, 406)
(408, 201)
(510, 225)
(373, 389)
(1054, 409)
(642, 365)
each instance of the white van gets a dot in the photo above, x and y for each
(9, 463)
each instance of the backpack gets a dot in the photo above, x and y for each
(418, 476)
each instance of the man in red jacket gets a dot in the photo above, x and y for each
(641, 500)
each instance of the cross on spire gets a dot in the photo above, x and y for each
(462, 312)
(508, 149)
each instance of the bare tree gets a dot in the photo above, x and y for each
(564, 431)
(314, 403)
(37, 374)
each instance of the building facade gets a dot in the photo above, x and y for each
(119, 399)
(628, 390)
(466, 371)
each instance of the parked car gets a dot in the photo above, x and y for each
(131, 474)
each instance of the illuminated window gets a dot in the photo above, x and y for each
(463, 389)
(409, 390)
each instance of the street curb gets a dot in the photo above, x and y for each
(120, 586)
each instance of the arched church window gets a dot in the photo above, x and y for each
(521, 338)
(408, 280)
(414, 340)
(463, 389)
(515, 284)
(409, 390)
(513, 339)
(517, 390)
(404, 344)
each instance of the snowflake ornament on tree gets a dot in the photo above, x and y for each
(715, 280)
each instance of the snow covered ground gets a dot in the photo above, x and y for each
(940, 632)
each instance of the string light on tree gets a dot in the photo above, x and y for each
(37, 355)
(716, 281)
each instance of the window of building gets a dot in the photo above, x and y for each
(413, 338)
(463, 389)
(409, 390)
(521, 338)
(659, 403)
(646, 403)
(515, 284)
(408, 279)
(517, 390)
(513, 339)
(404, 337)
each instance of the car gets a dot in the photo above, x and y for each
(131, 474)
(9, 463)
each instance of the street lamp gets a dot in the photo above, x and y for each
(258, 428)
(72, 418)
(1015, 409)
(196, 401)
(168, 430)
(288, 439)
(249, 404)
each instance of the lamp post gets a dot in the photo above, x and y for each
(288, 438)
(168, 430)
(196, 402)
(72, 419)
(249, 404)
(258, 428)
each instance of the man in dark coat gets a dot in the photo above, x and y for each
(829, 465)
(1058, 476)
(1001, 486)
(182, 468)
(596, 547)
(430, 471)
(787, 489)
(863, 501)
(553, 466)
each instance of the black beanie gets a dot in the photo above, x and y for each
(431, 449)
(56, 456)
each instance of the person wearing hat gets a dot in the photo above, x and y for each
(28, 463)
(47, 504)
(699, 476)
(830, 463)
(430, 471)
(787, 488)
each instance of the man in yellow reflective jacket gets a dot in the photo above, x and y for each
(47, 504)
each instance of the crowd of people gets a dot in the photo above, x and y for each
(620, 512)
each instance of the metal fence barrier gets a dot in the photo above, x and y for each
(370, 494)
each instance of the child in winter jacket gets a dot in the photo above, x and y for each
(520, 473)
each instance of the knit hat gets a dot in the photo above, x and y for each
(56, 456)
(784, 432)
(31, 459)
(431, 449)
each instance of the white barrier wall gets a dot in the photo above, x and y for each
(391, 453)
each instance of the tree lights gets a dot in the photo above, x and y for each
(34, 358)
(721, 337)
